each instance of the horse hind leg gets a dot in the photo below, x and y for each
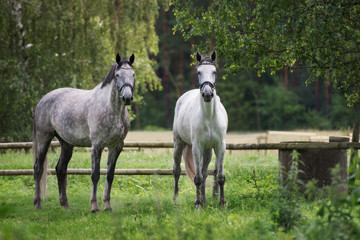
(179, 146)
(41, 143)
(61, 170)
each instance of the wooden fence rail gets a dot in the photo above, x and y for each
(229, 146)
(16, 172)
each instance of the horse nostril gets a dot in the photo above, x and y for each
(132, 98)
(123, 98)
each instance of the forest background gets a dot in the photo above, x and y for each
(51, 44)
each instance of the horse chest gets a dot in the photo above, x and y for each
(115, 129)
(208, 134)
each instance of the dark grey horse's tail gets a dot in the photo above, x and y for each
(43, 181)
(189, 162)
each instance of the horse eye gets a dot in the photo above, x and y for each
(214, 73)
(198, 73)
(134, 75)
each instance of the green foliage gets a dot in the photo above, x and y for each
(323, 36)
(280, 109)
(337, 217)
(286, 211)
(51, 44)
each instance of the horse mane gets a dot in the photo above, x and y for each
(206, 61)
(114, 68)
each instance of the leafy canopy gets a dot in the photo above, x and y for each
(322, 36)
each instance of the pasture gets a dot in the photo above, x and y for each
(143, 207)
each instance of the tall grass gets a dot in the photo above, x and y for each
(143, 205)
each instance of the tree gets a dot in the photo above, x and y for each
(51, 44)
(321, 36)
(258, 35)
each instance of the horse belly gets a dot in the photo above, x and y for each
(74, 132)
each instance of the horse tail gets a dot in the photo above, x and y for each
(189, 162)
(43, 181)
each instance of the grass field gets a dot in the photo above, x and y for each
(142, 205)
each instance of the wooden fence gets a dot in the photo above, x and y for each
(229, 146)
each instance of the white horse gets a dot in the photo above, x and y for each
(200, 125)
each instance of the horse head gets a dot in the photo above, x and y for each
(206, 72)
(123, 74)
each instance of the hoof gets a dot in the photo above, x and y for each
(37, 206)
(64, 204)
(223, 204)
(95, 210)
(108, 209)
(198, 204)
(94, 207)
(197, 207)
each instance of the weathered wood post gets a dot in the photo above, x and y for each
(316, 163)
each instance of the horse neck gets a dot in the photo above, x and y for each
(110, 99)
(208, 108)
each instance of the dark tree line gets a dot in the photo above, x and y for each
(51, 44)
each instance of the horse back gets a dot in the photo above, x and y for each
(64, 112)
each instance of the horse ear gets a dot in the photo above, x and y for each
(198, 57)
(109, 76)
(132, 59)
(213, 56)
(118, 58)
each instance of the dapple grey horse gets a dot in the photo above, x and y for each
(200, 125)
(94, 118)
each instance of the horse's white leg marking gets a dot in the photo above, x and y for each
(112, 158)
(206, 160)
(61, 171)
(95, 173)
(197, 151)
(220, 176)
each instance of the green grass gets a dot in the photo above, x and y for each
(143, 205)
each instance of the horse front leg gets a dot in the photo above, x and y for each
(206, 160)
(198, 179)
(112, 158)
(95, 174)
(220, 176)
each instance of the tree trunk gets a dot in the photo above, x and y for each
(166, 72)
(317, 99)
(286, 77)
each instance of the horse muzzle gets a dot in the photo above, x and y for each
(126, 93)
(207, 92)
(127, 100)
